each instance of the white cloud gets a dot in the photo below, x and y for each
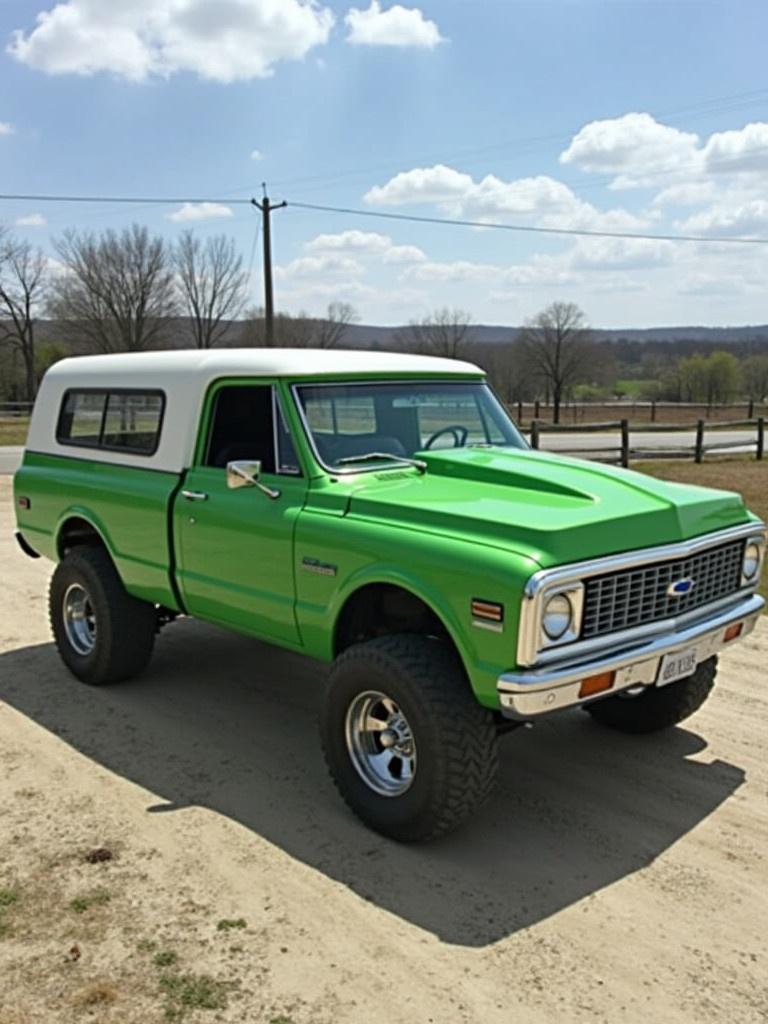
(691, 193)
(635, 147)
(438, 184)
(713, 284)
(742, 151)
(621, 253)
(256, 154)
(458, 270)
(395, 26)
(744, 219)
(319, 267)
(222, 40)
(6, 128)
(540, 201)
(32, 220)
(366, 243)
(199, 211)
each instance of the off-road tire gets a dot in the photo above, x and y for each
(658, 708)
(124, 626)
(455, 737)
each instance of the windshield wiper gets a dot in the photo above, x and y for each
(372, 456)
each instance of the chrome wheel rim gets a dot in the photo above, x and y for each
(380, 743)
(79, 619)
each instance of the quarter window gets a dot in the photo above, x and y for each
(120, 420)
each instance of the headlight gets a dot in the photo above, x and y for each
(751, 562)
(557, 617)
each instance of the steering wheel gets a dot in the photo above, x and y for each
(460, 435)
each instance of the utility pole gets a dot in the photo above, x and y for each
(269, 310)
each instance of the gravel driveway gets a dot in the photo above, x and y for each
(610, 878)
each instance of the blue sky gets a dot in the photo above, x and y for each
(636, 117)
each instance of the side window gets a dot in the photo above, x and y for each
(117, 420)
(80, 418)
(243, 428)
(132, 421)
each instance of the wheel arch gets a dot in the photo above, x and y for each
(77, 527)
(389, 605)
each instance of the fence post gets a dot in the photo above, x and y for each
(699, 441)
(536, 409)
(760, 438)
(534, 433)
(519, 412)
(625, 443)
(751, 409)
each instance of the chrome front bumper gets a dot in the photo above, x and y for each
(526, 695)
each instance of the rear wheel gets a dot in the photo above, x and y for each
(102, 633)
(657, 708)
(411, 751)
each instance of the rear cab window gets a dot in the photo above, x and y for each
(119, 419)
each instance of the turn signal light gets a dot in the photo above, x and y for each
(597, 684)
(733, 631)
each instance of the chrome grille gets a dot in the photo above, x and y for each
(634, 597)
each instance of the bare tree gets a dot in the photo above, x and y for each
(116, 291)
(445, 332)
(330, 330)
(755, 376)
(558, 348)
(23, 282)
(212, 284)
(302, 330)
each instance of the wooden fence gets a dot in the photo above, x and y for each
(12, 410)
(623, 452)
(676, 413)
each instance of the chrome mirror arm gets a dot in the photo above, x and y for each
(246, 474)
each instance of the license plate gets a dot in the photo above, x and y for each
(676, 666)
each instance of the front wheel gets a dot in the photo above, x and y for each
(102, 633)
(657, 708)
(409, 748)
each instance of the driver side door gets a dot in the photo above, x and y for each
(235, 547)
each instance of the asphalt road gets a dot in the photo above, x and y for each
(10, 457)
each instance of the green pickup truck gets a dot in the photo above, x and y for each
(381, 512)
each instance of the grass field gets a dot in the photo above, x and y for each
(13, 430)
(748, 477)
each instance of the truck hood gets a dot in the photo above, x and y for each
(548, 507)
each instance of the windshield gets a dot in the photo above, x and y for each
(350, 420)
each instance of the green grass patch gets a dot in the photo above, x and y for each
(97, 898)
(14, 431)
(165, 958)
(227, 924)
(8, 897)
(184, 992)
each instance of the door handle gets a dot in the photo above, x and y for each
(194, 495)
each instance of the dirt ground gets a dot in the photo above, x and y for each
(610, 879)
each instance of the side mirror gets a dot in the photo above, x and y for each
(246, 474)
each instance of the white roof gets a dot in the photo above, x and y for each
(184, 376)
(209, 364)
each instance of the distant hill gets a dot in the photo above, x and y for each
(383, 337)
(370, 336)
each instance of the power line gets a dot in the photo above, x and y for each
(168, 201)
(412, 218)
(455, 222)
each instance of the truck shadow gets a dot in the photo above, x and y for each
(227, 723)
